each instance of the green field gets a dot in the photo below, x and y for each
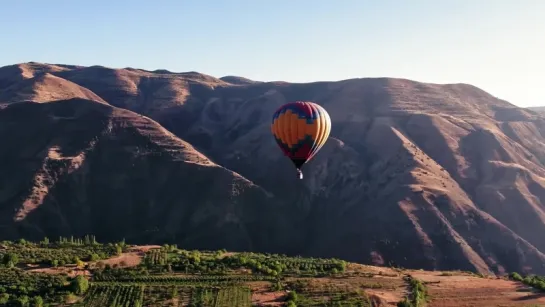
(31, 275)
(166, 276)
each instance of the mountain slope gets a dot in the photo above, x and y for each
(46, 88)
(414, 174)
(78, 166)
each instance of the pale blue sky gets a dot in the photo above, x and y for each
(497, 45)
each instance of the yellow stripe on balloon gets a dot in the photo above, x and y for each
(327, 124)
(323, 132)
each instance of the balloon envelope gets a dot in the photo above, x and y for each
(301, 129)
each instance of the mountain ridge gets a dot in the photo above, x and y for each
(414, 174)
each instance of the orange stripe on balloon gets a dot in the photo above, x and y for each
(293, 128)
(282, 128)
(301, 129)
(287, 128)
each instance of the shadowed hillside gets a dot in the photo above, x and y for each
(414, 174)
(84, 167)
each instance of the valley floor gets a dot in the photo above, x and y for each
(167, 276)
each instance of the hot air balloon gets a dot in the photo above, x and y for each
(300, 128)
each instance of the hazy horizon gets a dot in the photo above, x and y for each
(494, 45)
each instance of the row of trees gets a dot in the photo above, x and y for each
(169, 258)
(534, 281)
(66, 251)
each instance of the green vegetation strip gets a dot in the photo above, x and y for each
(165, 279)
(64, 251)
(167, 276)
(419, 294)
(170, 259)
(536, 282)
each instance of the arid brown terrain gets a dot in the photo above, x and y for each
(414, 175)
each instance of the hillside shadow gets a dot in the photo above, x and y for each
(30, 131)
(131, 187)
(21, 155)
(528, 297)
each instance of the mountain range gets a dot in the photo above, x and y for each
(416, 175)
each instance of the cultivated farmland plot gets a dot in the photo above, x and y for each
(167, 276)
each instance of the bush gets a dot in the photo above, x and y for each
(404, 303)
(292, 296)
(79, 285)
(419, 294)
(515, 276)
(4, 298)
(37, 301)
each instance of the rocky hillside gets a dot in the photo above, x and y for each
(414, 174)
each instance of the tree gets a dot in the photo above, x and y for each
(174, 292)
(515, 276)
(4, 298)
(404, 303)
(37, 301)
(79, 285)
(292, 296)
(22, 300)
(93, 257)
(10, 260)
(80, 264)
